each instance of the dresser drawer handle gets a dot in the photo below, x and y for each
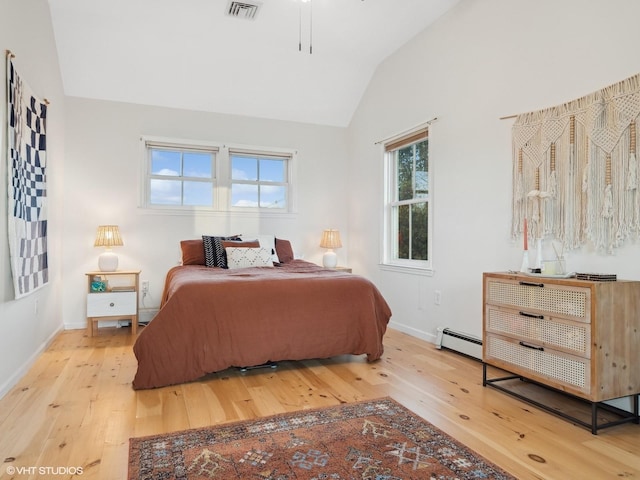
(531, 315)
(534, 347)
(531, 284)
(112, 304)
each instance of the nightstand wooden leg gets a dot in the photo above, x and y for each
(91, 326)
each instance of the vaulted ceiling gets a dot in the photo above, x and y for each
(305, 61)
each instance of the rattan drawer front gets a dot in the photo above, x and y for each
(570, 301)
(544, 365)
(572, 337)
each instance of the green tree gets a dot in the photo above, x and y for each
(413, 184)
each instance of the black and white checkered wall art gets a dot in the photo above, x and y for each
(27, 188)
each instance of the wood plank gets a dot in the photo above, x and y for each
(76, 407)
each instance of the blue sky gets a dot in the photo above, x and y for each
(186, 168)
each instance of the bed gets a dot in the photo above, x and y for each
(211, 319)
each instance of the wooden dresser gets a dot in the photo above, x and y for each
(579, 337)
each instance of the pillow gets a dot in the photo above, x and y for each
(284, 250)
(241, 244)
(248, 257)
(266, 241)
(192, 252)
(214, 254)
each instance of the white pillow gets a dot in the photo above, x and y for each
(266, 241)
(248, 257)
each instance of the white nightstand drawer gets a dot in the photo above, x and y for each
(111, 304)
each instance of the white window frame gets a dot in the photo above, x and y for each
(258, 153)
(222, 178)
(173, 145)
(389, 236)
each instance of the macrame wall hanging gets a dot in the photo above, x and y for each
(575, 170)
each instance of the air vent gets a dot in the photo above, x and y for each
(247, 10)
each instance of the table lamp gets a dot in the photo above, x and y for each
(108, 236)
(330, 240)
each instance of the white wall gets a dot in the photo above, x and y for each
(102, 176)
(28, 324)
(482, 61)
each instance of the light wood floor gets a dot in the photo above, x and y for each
(76, 408)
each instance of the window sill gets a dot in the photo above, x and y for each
(213, 213)
(422, 271)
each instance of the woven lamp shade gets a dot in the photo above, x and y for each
(331, 239)
(108, 236)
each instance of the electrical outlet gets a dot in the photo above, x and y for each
(145, 287)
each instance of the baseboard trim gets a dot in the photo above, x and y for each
(22, 371)
(75, 325)
(414, 332)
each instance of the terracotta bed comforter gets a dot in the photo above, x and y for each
(212, 319)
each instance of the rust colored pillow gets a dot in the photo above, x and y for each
(284, 250)
(192, 252)
(239, 244)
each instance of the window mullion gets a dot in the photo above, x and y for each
(411, 242)
(414, 156)
(412, 201)
(223, 171)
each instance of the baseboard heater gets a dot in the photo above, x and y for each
(459, 342)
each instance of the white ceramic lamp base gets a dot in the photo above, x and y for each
(330, 259)
(108, 262)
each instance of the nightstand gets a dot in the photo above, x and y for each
(342, 269)
(114, 296)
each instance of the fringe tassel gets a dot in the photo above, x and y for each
(632, 180)
(607, 208)
(553, 177)
(518, 186)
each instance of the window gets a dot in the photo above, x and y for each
(407, 206)
(180, 176)
(258, 180)
(195, 176)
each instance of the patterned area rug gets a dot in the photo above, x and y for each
(376, 440)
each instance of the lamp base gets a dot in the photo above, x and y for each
(108, 262)
(330, 259)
